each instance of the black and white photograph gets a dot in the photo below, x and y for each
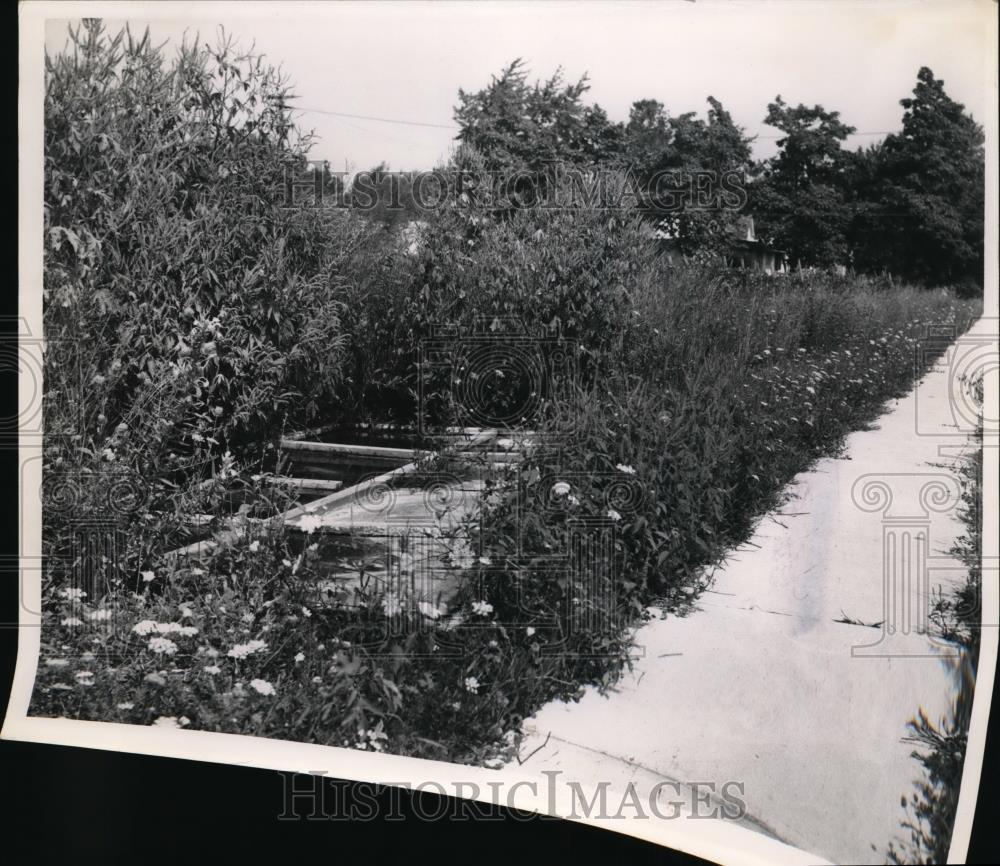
(583, 408)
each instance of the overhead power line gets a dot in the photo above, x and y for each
(378, 119)
(875, 132)
(452, 126)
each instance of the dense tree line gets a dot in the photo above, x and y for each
(911, 205)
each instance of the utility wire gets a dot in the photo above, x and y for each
(379, 119)
(876, 132)
(451, 126)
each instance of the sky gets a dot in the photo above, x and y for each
(406, 61)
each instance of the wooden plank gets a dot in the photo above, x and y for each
(493, 456)
(321, 486)
(334, 499)
(326, 429)
(339, 451)
(312, 433)
(400, 511)
(326, 503)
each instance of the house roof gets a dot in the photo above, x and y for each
(743, 229)
(741, 232)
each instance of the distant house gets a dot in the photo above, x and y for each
(743, 249)
(746, 250)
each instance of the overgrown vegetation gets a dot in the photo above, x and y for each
(931, 808)
(910, 205)
(194, 319)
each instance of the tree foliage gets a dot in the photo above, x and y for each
(522, 126)
(911, 205)
(799, 199)
(921, 194)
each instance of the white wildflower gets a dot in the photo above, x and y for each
(262, 687)
(162, 646)
(242, 650)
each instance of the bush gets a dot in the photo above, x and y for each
(180, 296)
(188, 315)
(553, 279)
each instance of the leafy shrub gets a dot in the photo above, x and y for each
(188, 314)
(941, 747)
(553, 278)
(174, 278)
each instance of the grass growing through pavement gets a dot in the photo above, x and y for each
(941, 747)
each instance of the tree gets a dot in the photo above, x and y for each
(517, 126)
(668, 154)
(800, 199)
(647, 137)
(921, 194)
(720, 151)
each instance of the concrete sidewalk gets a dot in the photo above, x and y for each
(763, 686)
